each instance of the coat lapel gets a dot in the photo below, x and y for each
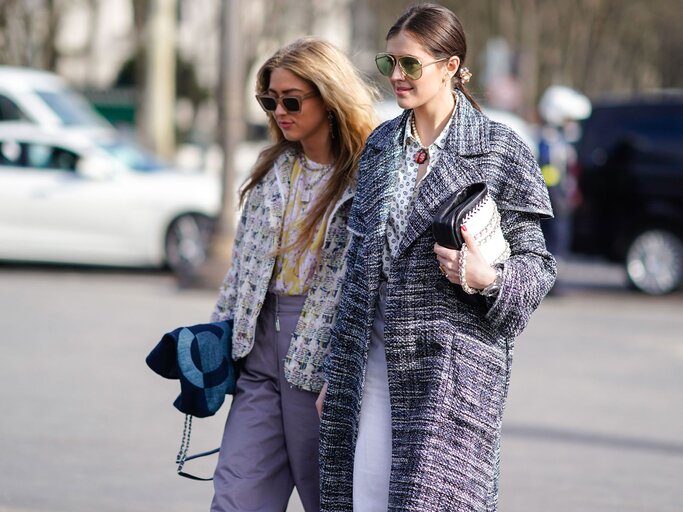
(452, 174)
(378, 183)
(468, 136)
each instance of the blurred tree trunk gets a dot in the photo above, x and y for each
(671, 47)
(140, 16)
(364, 35)
(90, 49)
(28, 32)
(50, 51)
(159, 115)
(230, 96)
(530, 40)
(231, 132)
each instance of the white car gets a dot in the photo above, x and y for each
(69, 198)
(45, 99)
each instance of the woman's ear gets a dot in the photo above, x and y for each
(452, 65)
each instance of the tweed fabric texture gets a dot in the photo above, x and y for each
(245, 285)
(448, 354)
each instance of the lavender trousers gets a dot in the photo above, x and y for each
(270, 442)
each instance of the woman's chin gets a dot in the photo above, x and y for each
(405, 102)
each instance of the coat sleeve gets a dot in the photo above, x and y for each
(227, 295)
(528, 274)
(522, 198)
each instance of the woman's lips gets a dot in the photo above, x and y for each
(401, 90)
(285, 125)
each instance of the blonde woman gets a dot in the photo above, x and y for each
(288, 260)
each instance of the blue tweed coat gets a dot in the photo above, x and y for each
(448, 353)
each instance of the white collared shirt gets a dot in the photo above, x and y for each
(406, 188)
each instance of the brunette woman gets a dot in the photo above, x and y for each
(282, 289)
(419, 369)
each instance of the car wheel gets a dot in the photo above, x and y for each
(187, 243)
(654, 262)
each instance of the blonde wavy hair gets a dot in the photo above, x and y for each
(350, 100)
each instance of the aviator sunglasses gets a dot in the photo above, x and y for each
(291, 103)
(409, 65)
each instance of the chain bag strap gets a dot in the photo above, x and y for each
(182, 456)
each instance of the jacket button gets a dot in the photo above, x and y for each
(440, 286)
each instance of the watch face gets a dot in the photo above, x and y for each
(493, 289)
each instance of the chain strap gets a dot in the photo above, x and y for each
(184, 443)
(182, 456)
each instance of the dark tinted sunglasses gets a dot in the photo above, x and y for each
(409, 65)
(290, 103)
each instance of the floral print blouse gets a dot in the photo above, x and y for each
(294, 269)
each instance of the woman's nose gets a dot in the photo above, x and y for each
(397, 73)
(279, 109)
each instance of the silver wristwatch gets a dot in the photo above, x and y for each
(493, 289)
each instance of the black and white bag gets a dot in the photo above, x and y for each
(473, 206)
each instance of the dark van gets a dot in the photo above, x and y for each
(630, 178)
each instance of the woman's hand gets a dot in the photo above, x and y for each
(320, 400)
(479, 273)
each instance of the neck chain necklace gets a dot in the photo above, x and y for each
(312, 174)
(309, 165)
(423, 153)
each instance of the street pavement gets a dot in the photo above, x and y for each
(593, 423)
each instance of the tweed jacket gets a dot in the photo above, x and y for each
(246, 283)
(448, 353)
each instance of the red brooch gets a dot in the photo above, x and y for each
(421, 156)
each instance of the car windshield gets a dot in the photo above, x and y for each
(71, 109)
(133, 157)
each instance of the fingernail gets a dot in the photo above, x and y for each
(464, 228)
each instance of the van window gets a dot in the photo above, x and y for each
(9, 110)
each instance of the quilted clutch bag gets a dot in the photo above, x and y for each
(474, 207)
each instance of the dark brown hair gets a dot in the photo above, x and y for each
(440, 33)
